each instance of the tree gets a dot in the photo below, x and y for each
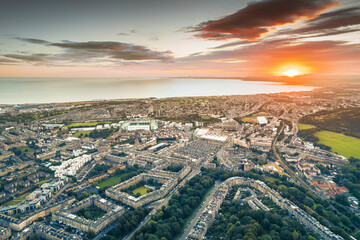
(342, 199)
(319, 209)
(34, 237)
(91, 234)
(295, 235)
(83, 196)
(176, 229)
(152, 237)
(265, 237)
(266, 223)
(168, 221)
(357, 234)
(285, 234)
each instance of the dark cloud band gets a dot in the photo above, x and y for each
(258, 18)
(90, 51)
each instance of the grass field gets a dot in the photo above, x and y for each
(249, 119)
(26, 149)
(142, 190)
(302, 126)
(82, 124)
(87, 124)
(42, 182)
(111, 181)
(344, 145)
(77, 134)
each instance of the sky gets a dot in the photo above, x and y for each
(179, 38)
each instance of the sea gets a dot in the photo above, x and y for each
(50, 90)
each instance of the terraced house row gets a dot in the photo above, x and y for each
(68, 215)
(207, 218)
(117, 194)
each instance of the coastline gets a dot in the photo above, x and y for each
(144, 98)
(71, 90)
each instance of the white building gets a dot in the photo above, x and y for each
(262, 120)
(139, 125)
(71, 166)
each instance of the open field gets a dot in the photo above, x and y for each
(342, 120)
(88, 124)
(344, 145)
(302, 126)
(26, 149)
(77, 134)
(83, 124)
(249, 119)
(142, 190)
(111, 181)
(42, 182)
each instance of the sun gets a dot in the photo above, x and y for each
(291, 69)
(292, 72)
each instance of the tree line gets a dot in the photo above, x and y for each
(168, 222)
(343, 120)
(239, 221)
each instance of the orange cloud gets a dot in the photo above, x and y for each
(258, 18)
(276, 56)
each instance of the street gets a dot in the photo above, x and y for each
(193, 173)
(199, 211)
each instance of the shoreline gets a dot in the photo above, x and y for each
(146, 98)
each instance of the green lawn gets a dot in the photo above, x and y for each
(302, 126)
(142, 190)
(88, 124)
(26, 149)
(42, 182)
(111, 181)
(17, 200)
(344, 145)
(249, 119)
(77, 134)
(83, 124)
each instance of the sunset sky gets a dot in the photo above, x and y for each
(170, 38)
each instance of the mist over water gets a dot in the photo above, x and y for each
(47, 90)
